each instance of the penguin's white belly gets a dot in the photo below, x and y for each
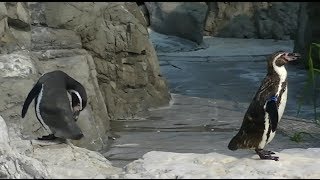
(282, 104)
(281, 108)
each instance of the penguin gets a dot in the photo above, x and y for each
(266, 108)
(53, 108)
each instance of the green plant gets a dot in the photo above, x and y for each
(297, 136)
(313, 73)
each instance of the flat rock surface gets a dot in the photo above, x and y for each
(294, 163)
(211, 90)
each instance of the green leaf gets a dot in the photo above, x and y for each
(310, 84)
(315, 44)
(316, 70)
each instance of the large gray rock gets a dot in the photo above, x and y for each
(293, 163)
(109, 53)
(182, 19)
(44, 38)
(266, 20)
(127, 65)
(14, 27)
(50, 160)
(18, 15)
(145, 13)
(3, 18)
(16, 65)
(137, 12)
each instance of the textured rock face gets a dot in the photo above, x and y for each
(309, 28)
(128, 72)
(14, 27)
(49, 160)
(293, 163)
(182, 19)
(16, 65)
(103, 45)
(266, 20)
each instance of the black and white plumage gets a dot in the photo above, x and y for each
(52, 105)
(266, 109)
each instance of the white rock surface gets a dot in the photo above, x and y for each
(4, 139)
(293, 163)
(17, 64)
(51, 160)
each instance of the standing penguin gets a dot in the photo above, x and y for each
(52, 105)
(266, 109)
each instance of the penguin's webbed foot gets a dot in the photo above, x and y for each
(265, 154)
(48, 137)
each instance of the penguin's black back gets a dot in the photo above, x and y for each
(252, 128)
(54, 79)
(54, 104)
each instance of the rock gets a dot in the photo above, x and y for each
(308, 31)
(166, 44)
(182, 19)
(16, 65)
(3, 18)
(4, 137)
(240, 26)
(145, 12)
(119, 67)
(50, 160)
(135, 10)
(44, 38)
(15, 165)
(127, 69)
(293, 163)
(265, 20)
(68, 161)
(96, 44)
(14, 27)
(23, 38)
(37, 13)
(279, 21)
(18, 15)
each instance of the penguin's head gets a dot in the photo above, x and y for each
(278, 59)
(79, 100)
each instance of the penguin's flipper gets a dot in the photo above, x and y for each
(272, 110)
(32, 94)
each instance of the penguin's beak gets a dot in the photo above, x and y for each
(292, 56)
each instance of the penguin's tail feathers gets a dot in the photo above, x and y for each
(233, 144)
(32, 94)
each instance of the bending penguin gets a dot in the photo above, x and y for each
(266, 109)
(52, 105)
